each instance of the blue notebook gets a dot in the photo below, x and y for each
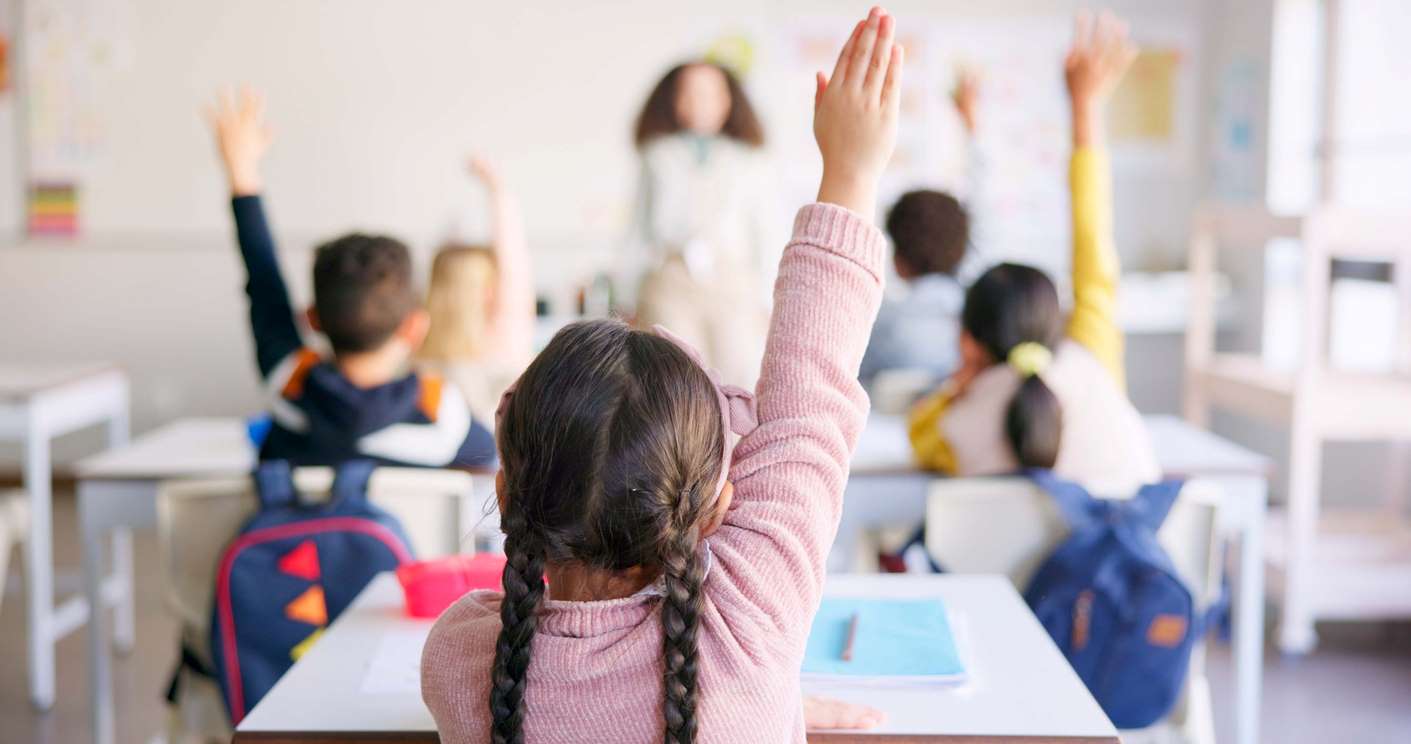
(897, 640)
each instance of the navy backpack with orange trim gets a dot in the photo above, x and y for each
(1111, 599)
(293, 568)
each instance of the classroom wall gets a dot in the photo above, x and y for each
(374, 105)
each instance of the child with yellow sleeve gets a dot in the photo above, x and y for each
(1030, 392)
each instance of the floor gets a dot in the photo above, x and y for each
(1355, 688)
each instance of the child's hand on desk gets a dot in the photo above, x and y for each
(1100, 56)
(821, 714)
(855, 114)
(242, 136)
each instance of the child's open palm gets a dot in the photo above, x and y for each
(855, 113)
(1100, 56)
(242, 136)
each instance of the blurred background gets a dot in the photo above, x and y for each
(116, 241)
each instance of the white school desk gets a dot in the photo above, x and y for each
(1019, 686)
(117, 491)
(39, 403)
(885, 489)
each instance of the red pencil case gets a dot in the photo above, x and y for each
(432, 586)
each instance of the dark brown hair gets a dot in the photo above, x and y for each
(611, 447)
(658, 117)
(1007, 306)
(363, 290)
(930, 232)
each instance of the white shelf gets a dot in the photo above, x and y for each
(1360, 567)
(1329, 565)
(1342, 406)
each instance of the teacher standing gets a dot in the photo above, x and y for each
(703, 219)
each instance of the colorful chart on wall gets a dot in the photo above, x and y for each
(73, 47)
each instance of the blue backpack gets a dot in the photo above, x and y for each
(292, 569)
(1113, 602)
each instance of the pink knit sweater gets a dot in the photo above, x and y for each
(596, 669)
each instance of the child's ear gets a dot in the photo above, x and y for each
(972, 354)
(414, 328)
(903, 268)
(722, 507)
(311, 315)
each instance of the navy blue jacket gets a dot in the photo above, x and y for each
(320, 418)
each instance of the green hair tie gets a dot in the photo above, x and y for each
(1029, 358)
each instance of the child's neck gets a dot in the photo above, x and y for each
(574, 582)
(367, 369)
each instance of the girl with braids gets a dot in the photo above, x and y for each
(1026, 396)
(666, 533)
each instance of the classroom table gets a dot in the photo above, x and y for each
(117, 492)
(361, 679)
(39, 403)
(887, 489)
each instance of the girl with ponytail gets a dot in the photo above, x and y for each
(666, 532)
(1030, 392)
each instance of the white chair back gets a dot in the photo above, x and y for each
(1009, 526)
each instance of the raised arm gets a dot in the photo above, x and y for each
(789, 473)
(243, 138)
(512, 316)
(1100, 55)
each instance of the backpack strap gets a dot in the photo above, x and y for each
(1074, 502)
(1152, 503)
(350, 481)
(274, 484)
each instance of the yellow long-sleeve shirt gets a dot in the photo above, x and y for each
(1095, 272)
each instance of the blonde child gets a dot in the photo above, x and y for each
(682, 523)
(481, 303)
(1029, 394)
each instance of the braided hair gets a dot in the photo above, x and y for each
(611, 448)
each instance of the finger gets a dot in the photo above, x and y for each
(822, 84)
(840, 70)
(891, 87)
(1082, 30)
(862, 51)
(1105, 35)
(226, 101)
(247, 99)
(881, 54)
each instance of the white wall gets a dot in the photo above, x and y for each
(374, 105)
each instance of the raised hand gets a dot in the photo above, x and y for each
(855, 114)
(486, 171)
(966, 97)
(242, 136)
(1100, 56)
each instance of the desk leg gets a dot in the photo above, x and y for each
(124, 619)
(39, 566)
(1249, 611)
(124, 613)
(100, 682)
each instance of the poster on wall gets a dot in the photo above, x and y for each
(72, 49)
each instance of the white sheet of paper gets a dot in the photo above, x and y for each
(395, 668)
